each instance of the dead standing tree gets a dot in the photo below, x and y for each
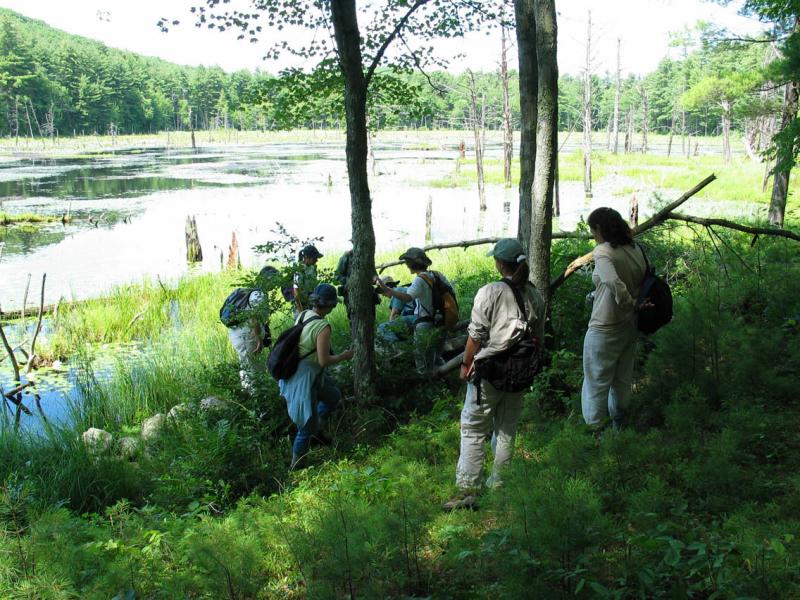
(508, 129)
(477, 119)
(617, 86)
(587, 111)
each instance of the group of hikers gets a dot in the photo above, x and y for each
(501, 357)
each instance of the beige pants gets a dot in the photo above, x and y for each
(496, 417)
(245, 342)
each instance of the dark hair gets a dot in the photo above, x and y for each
(612, 226)
(520, 272)
(415, 265)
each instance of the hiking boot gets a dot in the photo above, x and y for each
(465, 499)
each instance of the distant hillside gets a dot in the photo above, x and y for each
(55, 82)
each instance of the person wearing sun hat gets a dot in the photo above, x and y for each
(401, 314)
(427, 338)
(504, 313)
(311, 394)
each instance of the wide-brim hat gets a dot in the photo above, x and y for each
(416, 255)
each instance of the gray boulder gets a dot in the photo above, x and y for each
(213, 404)
(151, 428)
(128, 447)
(97, 440)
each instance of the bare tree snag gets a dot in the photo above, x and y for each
(587, 112)
(617, 86)
(234, 262)
(508, 131)
(476, 117)
(194, 253)
(36, 331)
(428, 219)
(10, 352)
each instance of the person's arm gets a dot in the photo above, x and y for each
(257, 334)
(604, 267)
(472, 348)
(402, 296)
(394, 314)
(324, 356)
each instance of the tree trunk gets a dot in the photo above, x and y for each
(617, 84)
(629, 132)
(508, 130)
(726, 132)
(528, 105)
(587, 113)
(477, 127)
(780, 182)
(546, 148)
(345, 26)
(645, 119)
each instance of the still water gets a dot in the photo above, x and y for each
(129, 209)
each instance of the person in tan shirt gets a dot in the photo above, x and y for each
(498, 323)
(610, 342)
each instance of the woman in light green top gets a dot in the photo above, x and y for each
(310, 393)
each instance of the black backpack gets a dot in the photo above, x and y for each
(655, 290)
(284, 358)
(514, 369)
(235, 303)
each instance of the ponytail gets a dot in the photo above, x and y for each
(520, 272)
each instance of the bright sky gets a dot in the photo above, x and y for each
(643, 26)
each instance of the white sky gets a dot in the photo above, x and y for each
(643, 26)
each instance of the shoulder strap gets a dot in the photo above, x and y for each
(518, 298)
(647, 268)
(425, 279)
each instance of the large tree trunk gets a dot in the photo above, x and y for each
(617, 84)
(780, 183)
(587, 113)
(508, 130)
(645, 118)
(528, 92)
(345, 26)
(546, 147)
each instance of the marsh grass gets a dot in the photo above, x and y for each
(25, 219)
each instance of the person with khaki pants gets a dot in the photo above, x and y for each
(503, 313)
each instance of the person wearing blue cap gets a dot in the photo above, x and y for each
(311, 394)
(500, 360)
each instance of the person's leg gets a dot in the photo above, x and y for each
(508, 407)
(328, 398)
(302, 441)
(620, 390)
(598, 373)
(397, 330)
(476, 426)
(425, 344)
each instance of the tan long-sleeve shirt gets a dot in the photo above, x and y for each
(496, 321)
(618, 274)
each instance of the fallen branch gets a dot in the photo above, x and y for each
(736, 226)
(557, 235)
(449, 365)
(18, 389)
(653, 221)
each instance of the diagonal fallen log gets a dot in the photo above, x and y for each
(735, 226)
(655, 220)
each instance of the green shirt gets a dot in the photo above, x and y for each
(305, 281)
(308, 339)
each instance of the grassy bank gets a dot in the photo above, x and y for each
(697, 498)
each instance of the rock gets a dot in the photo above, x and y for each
(151, 428)
(128, 447)
(212, 403)
(179, 411)
(57, 365)
(97, 440)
